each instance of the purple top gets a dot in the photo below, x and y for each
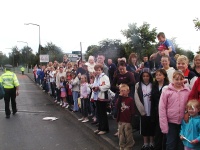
(83, 90)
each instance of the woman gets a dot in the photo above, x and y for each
(123, 77)
(196, 67)
(91, 64)
(100, 88)
(69, 67)
(165, 62)
(182, 65)
(133, 67)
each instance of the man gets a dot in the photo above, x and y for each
(100, 60)
(112, 68)
(165, 48)
(22, 70)
(11, 86)
(146, 62)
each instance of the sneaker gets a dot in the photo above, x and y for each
(58, 103)
(145, 147)
(151, 147)
(96, 131)
(90, 115)
(64, 105)
(67, 106)
(81, 119)
(55, 101)
(85, 120)
(102, 132)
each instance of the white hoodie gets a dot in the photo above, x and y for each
(170, 73)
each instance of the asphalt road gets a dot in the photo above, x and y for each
(27, 131)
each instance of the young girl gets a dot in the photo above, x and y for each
(161, 80)
(69, 91)
(190, 131)
(171, 110)
(75, 90)
(84, 93)
(142, 100)
(63, 93)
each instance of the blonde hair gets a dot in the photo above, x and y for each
(176, 56)
(125, 86)
(178, 74)
(193, 103)
(198, 55)
(183, 58)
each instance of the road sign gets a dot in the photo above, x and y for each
(44, 58)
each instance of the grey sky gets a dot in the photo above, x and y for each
(66, 23)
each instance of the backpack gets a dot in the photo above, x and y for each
(2, 92)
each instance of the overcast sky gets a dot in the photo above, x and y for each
(67, 23)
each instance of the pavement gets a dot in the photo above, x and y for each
(107, 141)
(27, 131)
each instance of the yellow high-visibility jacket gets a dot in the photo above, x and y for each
(9, 80)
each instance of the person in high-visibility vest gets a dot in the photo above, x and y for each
(22, 70)
(11, 86)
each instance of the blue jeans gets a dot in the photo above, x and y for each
(173, 137)
(75, 98)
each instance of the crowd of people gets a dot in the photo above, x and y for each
(163, 91)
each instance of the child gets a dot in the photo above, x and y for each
(84, 93)
(125, 107)
(142, 100)
(63, 93)
(161, 80)
(75, 90)
(190, 131)
(69, 92)
(171, 110)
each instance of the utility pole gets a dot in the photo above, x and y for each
(81, 51)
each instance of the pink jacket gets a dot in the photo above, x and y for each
(172, 106)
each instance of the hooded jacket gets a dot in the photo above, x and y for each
(172, 106)
(139, 101)
(191, 131)
(195, 92)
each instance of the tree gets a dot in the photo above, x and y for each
(140, 40)
(181, 51)
(110, 48)
(197, 24)
(55, 52)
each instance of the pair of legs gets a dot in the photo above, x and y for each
(85, 103)
(75, 98)
(126, 140)
(173, 138)
(10, 94)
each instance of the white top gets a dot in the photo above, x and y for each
(51, 74)
(146, 89)
(170, 73)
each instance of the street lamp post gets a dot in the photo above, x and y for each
(26, 53)
(39, 37)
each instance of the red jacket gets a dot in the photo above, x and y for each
(195, 92)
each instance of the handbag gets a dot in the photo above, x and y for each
(2, 92)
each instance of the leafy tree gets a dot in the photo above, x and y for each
(181, 51)
(140, 40)
(55, 52)
(110, 48)
(197, 24)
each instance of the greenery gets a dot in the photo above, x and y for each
(197, 23)
(140, 40)
(25, 56)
